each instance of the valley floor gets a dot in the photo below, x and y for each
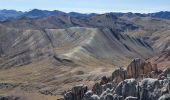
(43, 79)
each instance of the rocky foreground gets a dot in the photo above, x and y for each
(140, 81)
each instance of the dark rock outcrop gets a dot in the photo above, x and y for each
(104, 80)
(127, 88)
(119, 75)
(76, 93)
(90, 96)
(97, 89)
(152, 89)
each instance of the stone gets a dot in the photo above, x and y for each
(68, 96)
(104, 93)
(138, 67)
(90, 96)
(97, 89)
(152, 89)
(95, 97)
(119, 75)
(104, 80)
(76, 93)
(127, 88)
(107, 86)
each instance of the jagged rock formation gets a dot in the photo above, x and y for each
(127, 88)
(76, 93)
(138, 68)
(119, 75)
(131, 89)
(135, 88)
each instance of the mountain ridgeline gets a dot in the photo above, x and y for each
(49, 52)
(102, 38)
(36, 13)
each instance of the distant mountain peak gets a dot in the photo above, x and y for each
(37, 13)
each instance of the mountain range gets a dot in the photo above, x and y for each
(36, 13)
(45, 53)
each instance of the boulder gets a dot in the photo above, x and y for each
(152, 89)
(68, 95)
(104, 80)
(105, 93)
(127, 88)
(97, 89)
(119, 75)
(95, 97)
(108, 86)
(90, 96)
(76, 93)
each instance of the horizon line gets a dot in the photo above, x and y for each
(87, 12)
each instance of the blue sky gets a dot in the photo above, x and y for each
(88, 6)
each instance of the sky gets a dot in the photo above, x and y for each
(88, 6)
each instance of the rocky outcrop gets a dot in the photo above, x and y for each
(138, 68)
(119, 75)
(127, 88)
(76, 93)
(104, 80)
(97, 88)
(90, 96)
(135, 88)
(152, 89)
